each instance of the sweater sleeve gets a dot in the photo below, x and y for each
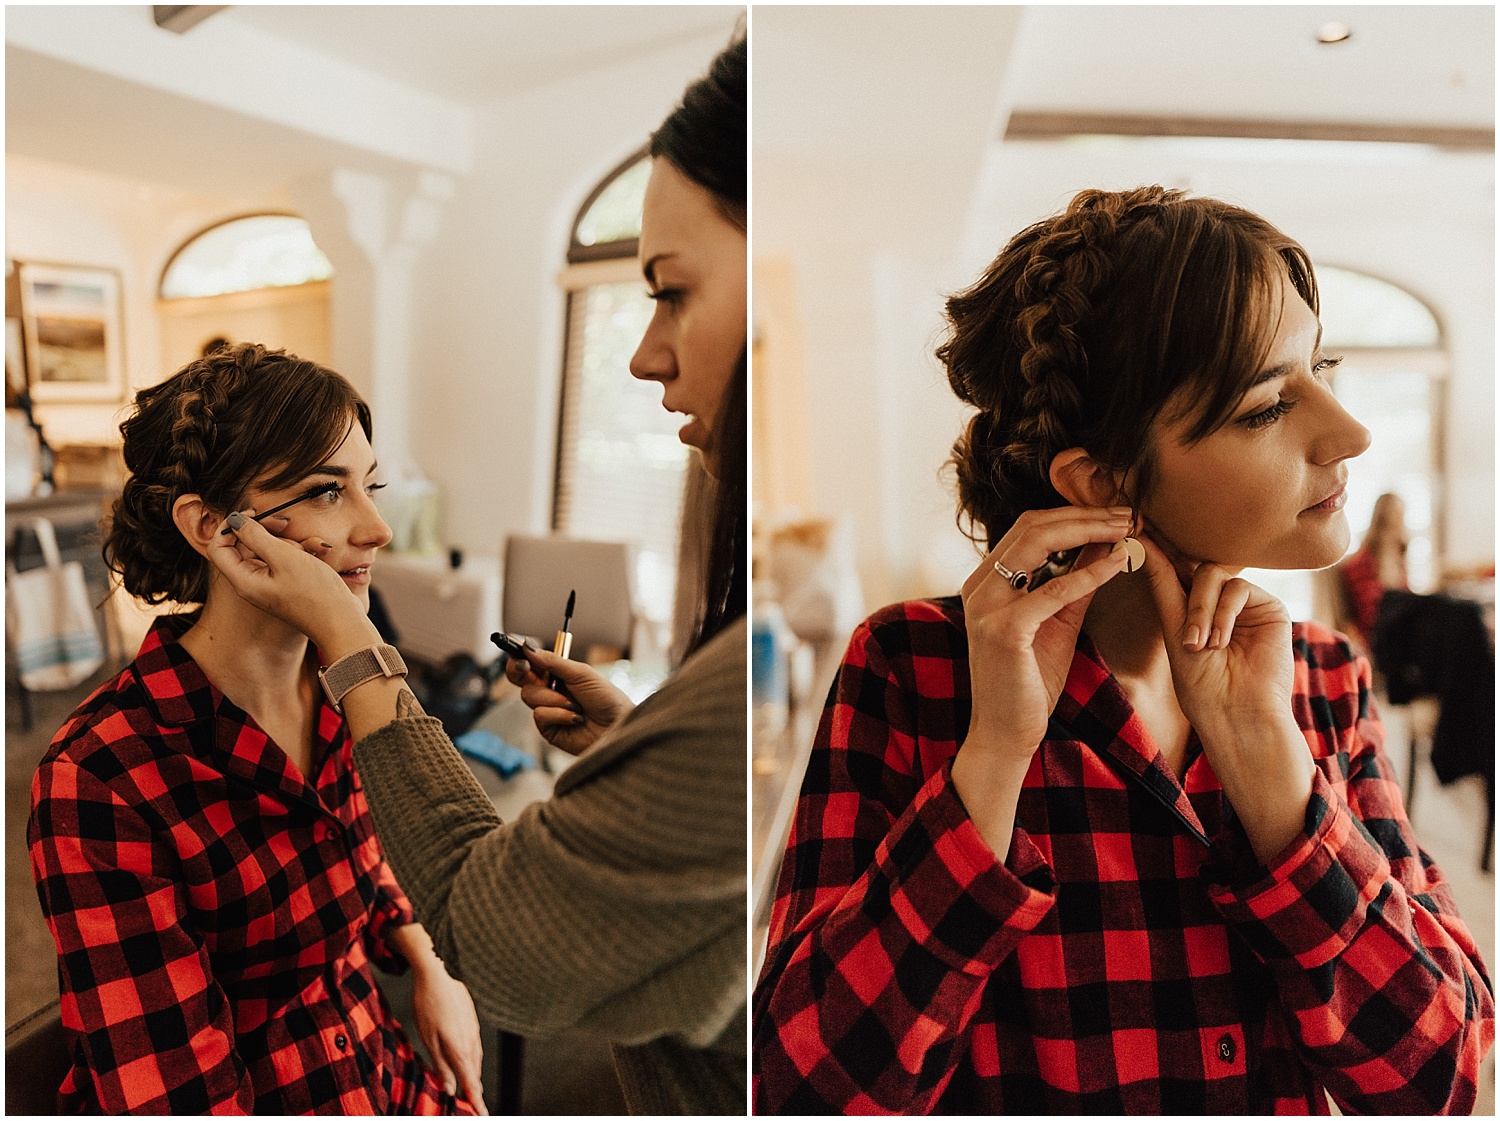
(1385, 992)
(891, 911)
(617, 906)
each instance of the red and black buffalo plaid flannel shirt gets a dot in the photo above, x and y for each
(1129, 956)
(216, 915)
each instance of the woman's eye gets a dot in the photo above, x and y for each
(331, 496)
(373, 487)
(1268, 416)
(668, 296)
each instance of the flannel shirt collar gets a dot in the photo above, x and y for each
(179, 695)
(1094, 709)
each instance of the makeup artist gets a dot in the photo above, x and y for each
(618, 906)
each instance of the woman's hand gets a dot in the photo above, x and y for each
(1021, 642)
(1020, 649)
(286, 579)
(444, 1012)
(1229, 644)
(449, 1026)
(572, 725)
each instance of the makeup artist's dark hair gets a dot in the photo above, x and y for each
(704, 137)
(238, 415)
(1088, 321)
(724, 584)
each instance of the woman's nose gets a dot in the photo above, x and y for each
(653, 360)
(372, 530)
(1342, 438)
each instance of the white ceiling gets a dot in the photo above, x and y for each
(1427, 64)
(72, 115)
(63, 107)
(476, 54)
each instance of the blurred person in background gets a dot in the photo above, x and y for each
(617, 906)
(1379, 566)
(1107, 832)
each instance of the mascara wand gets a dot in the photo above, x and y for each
(562, 642)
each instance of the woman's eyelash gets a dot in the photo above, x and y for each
(1283, 406)
(664, 295)
(373, 487)
(1268, 416)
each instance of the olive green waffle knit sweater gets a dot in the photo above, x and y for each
(618, 906)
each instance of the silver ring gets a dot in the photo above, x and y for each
(1017, 580)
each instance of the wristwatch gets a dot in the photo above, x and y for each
(380, 660)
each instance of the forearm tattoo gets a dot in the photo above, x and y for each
(407, 704)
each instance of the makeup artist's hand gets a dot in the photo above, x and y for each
(1020, 650)
(596, 706)
(285, 578)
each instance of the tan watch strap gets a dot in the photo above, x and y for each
(380, 660)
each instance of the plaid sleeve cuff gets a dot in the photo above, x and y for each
(391, 912)
(1312, 901)
(948, 890)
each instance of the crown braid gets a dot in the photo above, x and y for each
(1069, 338)
(212, 429)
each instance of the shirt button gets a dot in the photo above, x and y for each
(1226, 1047)
(340, 1041)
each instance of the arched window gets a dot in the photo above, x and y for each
(244, 254)
(620, 466)
(1392, 380)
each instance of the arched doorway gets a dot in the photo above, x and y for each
(259, 278)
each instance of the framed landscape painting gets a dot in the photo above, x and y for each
(70, 316)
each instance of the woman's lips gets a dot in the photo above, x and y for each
(1333, 502)
(357, 577)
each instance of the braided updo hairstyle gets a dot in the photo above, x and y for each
(1087, 323)
(236, 416)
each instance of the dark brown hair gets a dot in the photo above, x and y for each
(704, 137)
(724, 584)
(1088, 322)
(236, 416)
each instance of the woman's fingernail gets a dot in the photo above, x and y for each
(1214, 639)
(236, 520)
(1192, 637)
(1122, 511)
(578, 718)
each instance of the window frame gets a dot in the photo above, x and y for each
(161, 279)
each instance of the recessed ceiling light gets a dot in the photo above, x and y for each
(1334, 33)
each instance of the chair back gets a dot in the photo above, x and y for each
(37, 1059)
(541, 571)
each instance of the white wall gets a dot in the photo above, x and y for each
(879, 233)
(486, 313)
(67, 215)
(489, 314)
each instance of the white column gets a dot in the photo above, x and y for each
(391, 232)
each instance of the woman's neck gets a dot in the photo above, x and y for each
(256, 660)
(1124, 624)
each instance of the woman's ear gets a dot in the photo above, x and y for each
(195, 521)
(1083, 480)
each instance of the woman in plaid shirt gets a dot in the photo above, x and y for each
(199, 838)
(1124, 841)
